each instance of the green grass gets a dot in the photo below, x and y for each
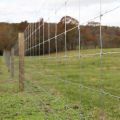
(63, 88)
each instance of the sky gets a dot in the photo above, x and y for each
(53, 10)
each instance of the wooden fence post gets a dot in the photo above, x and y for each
(21, 61)
(12, 63)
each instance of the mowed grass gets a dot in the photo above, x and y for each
(63, 88)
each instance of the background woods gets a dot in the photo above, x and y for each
(89, 36)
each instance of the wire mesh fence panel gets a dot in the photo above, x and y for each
(72, 67)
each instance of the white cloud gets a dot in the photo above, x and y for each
(32, 10)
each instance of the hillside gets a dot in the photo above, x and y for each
(89, 35)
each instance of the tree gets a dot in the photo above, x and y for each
(8, 37)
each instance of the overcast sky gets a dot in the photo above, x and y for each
(32, 10)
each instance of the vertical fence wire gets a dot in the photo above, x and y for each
(102, 114)
(36, 46)
(43, 39)
(49, 36)
(39, 36)
(56, 43)
(65, 29)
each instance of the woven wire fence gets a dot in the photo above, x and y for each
(73, 80)
(10, 70)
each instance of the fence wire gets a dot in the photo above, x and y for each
(77, 82)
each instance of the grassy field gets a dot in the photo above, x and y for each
(63, 88)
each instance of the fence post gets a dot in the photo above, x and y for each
(21, 61)
(12, 63)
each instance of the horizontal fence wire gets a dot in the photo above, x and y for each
(37, 43)
(82, 85)
(33, 32)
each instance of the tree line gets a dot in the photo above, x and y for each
(89, 37)
(9, 34)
